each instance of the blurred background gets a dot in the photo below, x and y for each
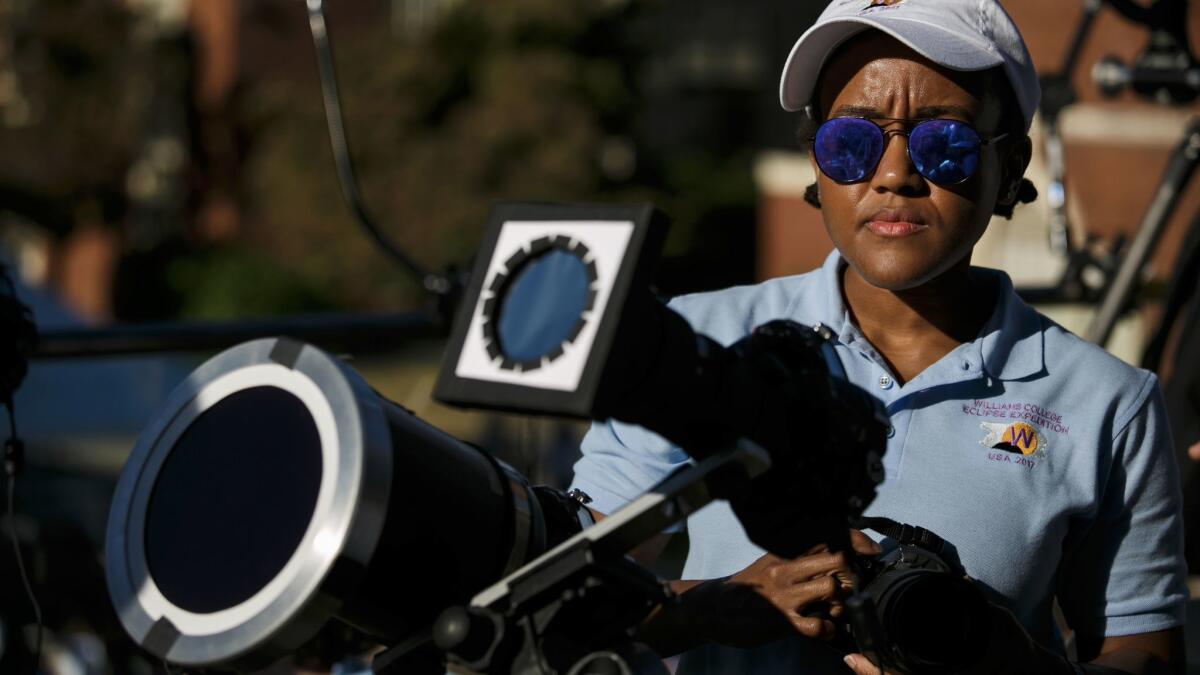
(168, 160)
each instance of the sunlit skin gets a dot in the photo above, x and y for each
(908, 241)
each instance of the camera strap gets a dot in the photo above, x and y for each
(903, 533)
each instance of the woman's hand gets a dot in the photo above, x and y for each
(861, 665)
(775, 598)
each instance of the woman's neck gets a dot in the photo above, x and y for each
(913, 328)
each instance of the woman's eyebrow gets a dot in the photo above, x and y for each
(924, 112)
(856, 111)
(943, 110)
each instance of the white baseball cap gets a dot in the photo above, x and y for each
(958, 34)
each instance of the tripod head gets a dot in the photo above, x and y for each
(1167, 71)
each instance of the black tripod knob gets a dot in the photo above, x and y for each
(467, 633)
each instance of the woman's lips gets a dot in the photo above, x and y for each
(895, 223)
(895, 228)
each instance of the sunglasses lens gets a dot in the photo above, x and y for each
(944, 151)
(848, 148)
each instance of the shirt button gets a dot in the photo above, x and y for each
(885, 382)
(966, 365)
(891, 431)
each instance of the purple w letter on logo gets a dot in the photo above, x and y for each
(1023, 438)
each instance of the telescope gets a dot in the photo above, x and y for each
(275, 493)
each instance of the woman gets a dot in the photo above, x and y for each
(1046, 462)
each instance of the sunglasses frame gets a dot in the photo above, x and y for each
(906, 132)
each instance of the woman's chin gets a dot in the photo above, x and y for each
(891, 276)
(902, 270)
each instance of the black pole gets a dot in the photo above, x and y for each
(436, 284)
(356, 333)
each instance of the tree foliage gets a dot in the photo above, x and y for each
(76, 92)
(532, 100)
(498, 101)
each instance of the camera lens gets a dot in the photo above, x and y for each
(937, 622)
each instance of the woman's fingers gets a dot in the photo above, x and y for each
(812, 606)
(814, 627)
(811, 566)
(861, 665)
(863, 544)
(819, 592)
(821, 589)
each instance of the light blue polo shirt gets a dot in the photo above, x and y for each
(1046, 461)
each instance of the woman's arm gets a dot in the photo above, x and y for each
(1158, 652)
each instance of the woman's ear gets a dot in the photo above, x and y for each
(1013, 170)
(812, 193)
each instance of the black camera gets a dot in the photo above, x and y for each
(916, 611)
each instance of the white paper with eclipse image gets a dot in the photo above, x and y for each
(607, 242)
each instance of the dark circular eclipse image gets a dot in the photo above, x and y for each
(539, 304)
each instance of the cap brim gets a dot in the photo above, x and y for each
(808, 56)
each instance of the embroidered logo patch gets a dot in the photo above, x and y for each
(882, 4)
(1032, 414)
(1018, 438)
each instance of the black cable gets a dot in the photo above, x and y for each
(12, 530)
(434, 283)
(1133, 11)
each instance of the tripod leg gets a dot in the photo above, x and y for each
(1119, 292)
(1181, 290)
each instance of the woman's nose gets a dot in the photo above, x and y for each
(896, 172)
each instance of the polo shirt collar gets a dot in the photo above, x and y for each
(1010, 344)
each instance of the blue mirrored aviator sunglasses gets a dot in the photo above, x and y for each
(945, 152)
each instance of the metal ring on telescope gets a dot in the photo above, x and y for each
(348, 493)
(529, 533)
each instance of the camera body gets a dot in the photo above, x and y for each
(916, 611)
